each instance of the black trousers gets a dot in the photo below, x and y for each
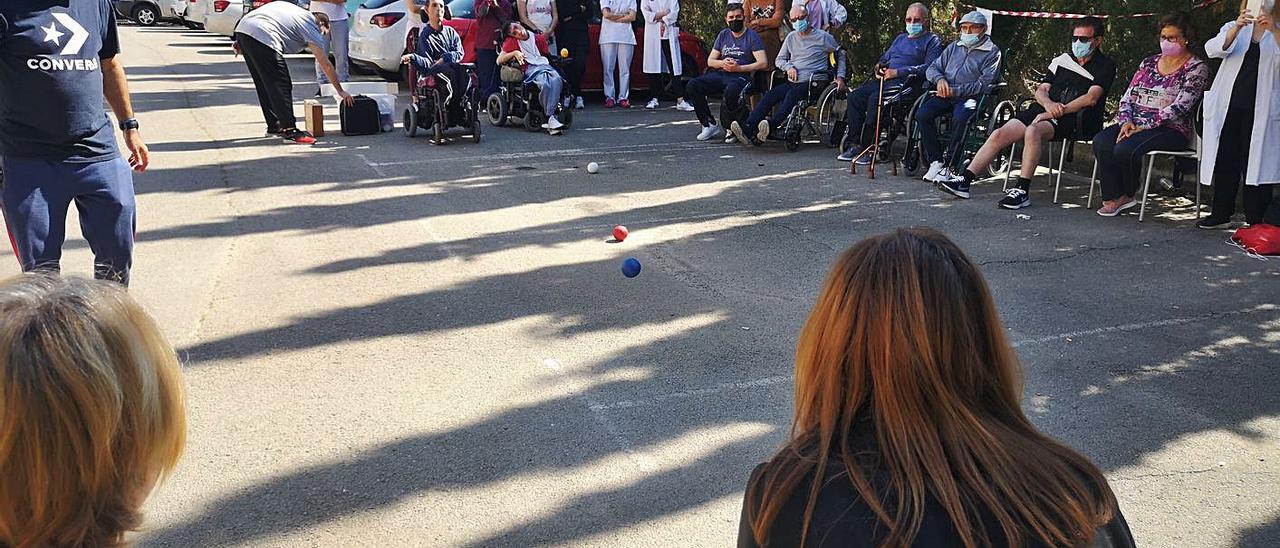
(271, 79)
(1120, 164)
(1233, 163)
(729, 84)
(658, 82)
(579, 47)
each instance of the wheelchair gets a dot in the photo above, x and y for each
(816, 113)
(990, 115)
(427, 109)
(895, 110)
(516, 99)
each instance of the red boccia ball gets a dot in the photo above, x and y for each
(620, 233)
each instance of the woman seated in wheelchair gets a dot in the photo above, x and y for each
(437, 63)
(804, 57)
(531, 53)
(964, 73)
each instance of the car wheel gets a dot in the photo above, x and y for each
(145, 15)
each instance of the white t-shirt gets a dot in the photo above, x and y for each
(540, 13)
(617, 33)
(336, 12)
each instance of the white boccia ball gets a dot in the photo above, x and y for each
(593, 167)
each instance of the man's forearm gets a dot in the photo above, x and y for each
(116, 88)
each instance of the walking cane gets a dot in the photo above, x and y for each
(875, 148)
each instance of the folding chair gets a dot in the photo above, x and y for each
(1195, 151)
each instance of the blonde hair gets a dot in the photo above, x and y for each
(91, 411)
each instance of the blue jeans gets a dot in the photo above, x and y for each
(729, 84)
(784, 96)
(961, 110)
(336, 44)
(864, 101)
(1120, 164)
(37, 195)
(487, 72)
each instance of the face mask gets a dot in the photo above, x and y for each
(969, 40)
(1171, 49)
(801, 25)
(1081, 50)
(914, 28)
(736, 26)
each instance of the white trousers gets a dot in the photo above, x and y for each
(617, 56)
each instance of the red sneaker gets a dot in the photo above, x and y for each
(608, 103)
(298, 136)
(624, 103)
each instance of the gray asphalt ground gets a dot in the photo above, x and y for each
(390, 343)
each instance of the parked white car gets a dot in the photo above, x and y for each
(193, 17)
(378, 32)
(225, 15)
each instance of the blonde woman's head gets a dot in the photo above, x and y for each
(91, 411)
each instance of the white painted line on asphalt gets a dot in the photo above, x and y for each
(375, 167)
(643, 461)
(598, 408)
(602, 151)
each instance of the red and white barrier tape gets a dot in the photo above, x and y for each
(1052, 15)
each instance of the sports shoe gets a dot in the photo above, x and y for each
(846, 156)
(741, 136)
(624, 103)
(653, 103)
(932, 174)
(580, 104)
(762, 130)
(730, 139)
(272, 131)
(1114, 207)
(609, 102)
(948, 176)
(1014, 198)
(864, 158)
(710, 131)
(552, 123)
(568, 102)
(954, 187)
(681, 105)
(298, 136)
(1213, 222)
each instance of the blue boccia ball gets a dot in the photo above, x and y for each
(631, 267)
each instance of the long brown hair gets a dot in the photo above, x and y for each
(91, 411)
(905, 335)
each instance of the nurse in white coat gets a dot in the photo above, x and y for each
(661, 47)
(1242, 117)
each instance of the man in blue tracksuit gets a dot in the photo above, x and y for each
(966, 70)
(57, 62)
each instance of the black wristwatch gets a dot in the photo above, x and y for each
(126, 125)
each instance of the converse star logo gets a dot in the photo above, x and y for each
(51, 34)
(78, 34)
(63, 26)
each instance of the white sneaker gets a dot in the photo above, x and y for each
(762, 130)
(579, 104)
(568, 101)
(730, 139)
(681, 105)
(934, 169)
(709, 132)
(653, 103)
(552, 123)
(946, 176)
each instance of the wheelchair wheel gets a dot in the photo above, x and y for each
(411, 121)
(437, 132)
(1003, 162)
(566, 117)
(830, 109)
(792, 139)
(532, 121)
(913, 155)
(475, 130)
(497, 109)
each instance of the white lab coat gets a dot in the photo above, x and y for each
(1264, 160)
(653, 41)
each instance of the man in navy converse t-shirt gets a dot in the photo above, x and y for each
(738, 51)
(57, 61)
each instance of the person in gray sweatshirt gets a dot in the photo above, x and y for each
(804, 57)
(964, 72)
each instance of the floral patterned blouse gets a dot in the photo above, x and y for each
(1155, 99)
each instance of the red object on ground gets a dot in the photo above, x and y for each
(620, 233)
(1263, 239)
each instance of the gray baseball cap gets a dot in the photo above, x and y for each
(975, 17)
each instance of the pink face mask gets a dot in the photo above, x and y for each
(1171, 49)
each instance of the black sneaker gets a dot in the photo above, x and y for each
(1015, 198)
(959, 189)
(272, 131)
(1213, 222)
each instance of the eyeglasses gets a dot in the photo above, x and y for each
(1173, 38)
(1082, 39)
(798, 19)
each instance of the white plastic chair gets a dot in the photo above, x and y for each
(1196, 150)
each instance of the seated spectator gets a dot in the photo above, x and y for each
(1156, 113)
(908, 427)
(91, 411)
(736, 54)
(1069, 106)
(804, 57)
(825, 14)
(962, 74)
(909, 55)
(530, 51)
(439, 52)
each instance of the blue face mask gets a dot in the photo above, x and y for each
(801, 25)
(1081, 50)
(969, 40)
(914, 28)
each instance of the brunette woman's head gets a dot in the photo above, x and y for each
(91, 411)
(905, 336)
